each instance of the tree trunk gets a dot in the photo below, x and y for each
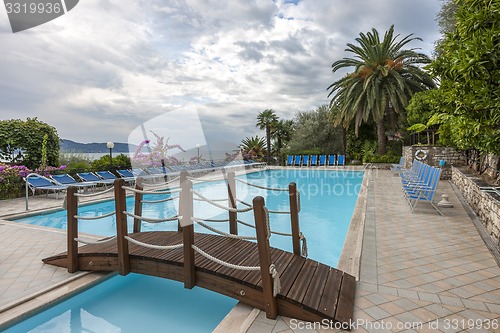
(381, 138)
(279, 149)
(344, 140)
(268, 138)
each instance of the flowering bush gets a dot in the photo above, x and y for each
(11, 180)
(158, 156)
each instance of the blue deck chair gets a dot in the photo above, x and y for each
(331, 160)
(106, 175)
(67, 180)
(297, 160)
(92, 178)
(341, 160)
(322, 160)
(314, 160)
(36, 182)
(305, 160)
(289, 160)
(396, 168)
(423, 192)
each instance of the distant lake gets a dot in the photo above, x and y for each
(183, 157)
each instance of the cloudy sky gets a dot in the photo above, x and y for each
(107, 66)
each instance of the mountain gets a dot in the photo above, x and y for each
(68, 146)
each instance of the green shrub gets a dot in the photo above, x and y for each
(119, 162)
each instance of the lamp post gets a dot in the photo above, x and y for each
(110, 145)
(198, 149)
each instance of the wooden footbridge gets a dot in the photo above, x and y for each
(276, 281)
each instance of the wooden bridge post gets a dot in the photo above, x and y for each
(121, 227)
(72, 211)
(264, 256)
(186, 211)
(138, 203)
(231, 192)
(183, 176)
(294, 217)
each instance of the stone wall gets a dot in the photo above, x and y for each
(485, 205)
(434, 154)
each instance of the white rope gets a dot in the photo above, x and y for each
(224, 263)
(220, 232)
(298, 202)
(273, 232)
(244, 203)
(135, 190)
(158, 186)
(94, 217)
(152, 246)
(304, 244)
(82, 195)
(152, 220)
(262, 187)
(214, 200)
(158, 201)
(234, 210)
(89, 242)
(215, 220)
(268, 224)
(278, 212)
(276, 280)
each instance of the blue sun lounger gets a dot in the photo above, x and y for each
(297, 160)
(322, 160)
(314, 160)
(91, 177)
(423, 191)
(331, 160)
(341, 160)
(305, 160)
(67, 180)
(289, 160)
(36, 182)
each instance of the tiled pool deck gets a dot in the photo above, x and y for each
(420, 272)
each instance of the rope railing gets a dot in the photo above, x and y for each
(88, 195)
(161, 185)
(262, 187)
(166, 191)
(159, 201)
(279, 212)
(153, 220)
(80, 217)
(213, 203)
(214, 200)
(220, 232)
(89, 242)
(224, 263)
(153, 246)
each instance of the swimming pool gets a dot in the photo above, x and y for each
(327, 199)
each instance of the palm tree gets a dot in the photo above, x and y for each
(267, 119)
(282, 133)
(254, 147)
(384, 79)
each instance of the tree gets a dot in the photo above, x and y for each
(282, 133)
(385, 77)
(470, 80)
(313, 131)
(266, 120)
(253, 148)
(23, 141)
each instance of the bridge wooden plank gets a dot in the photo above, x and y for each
(215, 247)
(281, 260)
(301, 283)
(329, 298)
(223, 251)
(251, 260)
(241, 254)
(316, 287)
(345, 304)
(289, 275)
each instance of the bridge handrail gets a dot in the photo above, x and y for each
(151, 219)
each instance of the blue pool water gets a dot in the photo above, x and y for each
(327, 202)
